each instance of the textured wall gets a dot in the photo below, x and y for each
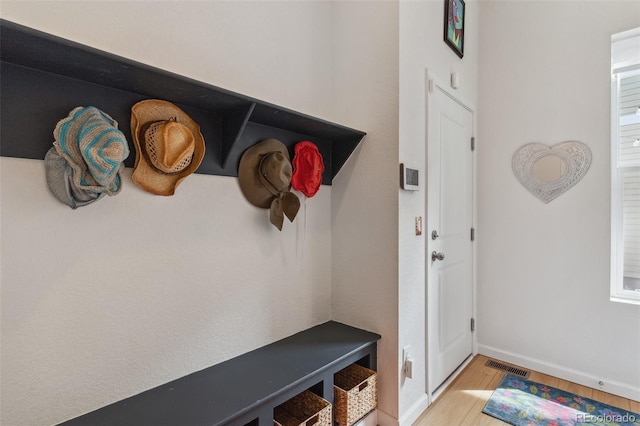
(136, 290)
(365, 197)
(543, 269)
(422, 49)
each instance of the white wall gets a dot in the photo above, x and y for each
(136, 290)
(381, 52)
(543, 270)
(85, 322)
(422, 48)
(365, 195)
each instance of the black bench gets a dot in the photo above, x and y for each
(244, 390)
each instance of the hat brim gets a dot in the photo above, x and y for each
(250, 184)
(144, 174)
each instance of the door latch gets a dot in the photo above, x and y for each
(436, 256)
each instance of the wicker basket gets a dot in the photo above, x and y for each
(354, 394)
(304, 409)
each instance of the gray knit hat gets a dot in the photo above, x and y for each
(60, 182)
(86, 158)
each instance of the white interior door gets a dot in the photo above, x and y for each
(450, 215)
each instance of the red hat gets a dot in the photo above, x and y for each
(307, 168)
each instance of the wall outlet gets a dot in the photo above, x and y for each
(407, 363)
(408, 368)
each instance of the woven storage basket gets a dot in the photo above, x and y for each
(304, 409)
(354, 394)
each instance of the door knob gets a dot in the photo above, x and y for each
(436, 256)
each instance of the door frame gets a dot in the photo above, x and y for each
(431, 83)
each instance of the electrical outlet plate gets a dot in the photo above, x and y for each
(406, 362)
(408, 368)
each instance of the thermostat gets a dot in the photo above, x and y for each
(409, 178)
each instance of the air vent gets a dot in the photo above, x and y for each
(509, 369)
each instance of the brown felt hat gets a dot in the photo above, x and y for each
(264, 175)
(169, 146)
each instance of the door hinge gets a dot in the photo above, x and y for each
(473, 324)
(473, 234)
(473, 143)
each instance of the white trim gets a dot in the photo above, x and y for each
(427, 351)
(421, 405)
(624, 49)
(627, 299)
(634, 32)
(431, 83)
(616, 226)
(624, 390)
(453, 95)
(474, 243)
(416, 410)
(626, 68)
(617, 293)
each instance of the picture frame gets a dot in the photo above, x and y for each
(454, 11)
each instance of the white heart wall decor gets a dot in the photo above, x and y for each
(575, 155)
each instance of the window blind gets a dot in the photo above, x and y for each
(629, 163)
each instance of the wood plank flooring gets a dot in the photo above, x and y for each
(462, 402)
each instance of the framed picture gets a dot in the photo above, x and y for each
(454, 25)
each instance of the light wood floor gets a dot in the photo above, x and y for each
(462, 402)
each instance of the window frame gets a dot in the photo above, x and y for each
(617, 291)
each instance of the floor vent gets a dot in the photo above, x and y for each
(509, 369)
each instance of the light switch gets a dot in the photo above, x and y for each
(454, 80)
(418, 225)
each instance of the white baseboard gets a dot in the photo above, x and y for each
(415, 411)
(412, 414)
(611, 386)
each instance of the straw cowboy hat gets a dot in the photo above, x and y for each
(169, 146)
(307, 168)
(85, 161)
(264, 175)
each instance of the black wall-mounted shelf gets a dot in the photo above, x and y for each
(245, 390)
(43, 77)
